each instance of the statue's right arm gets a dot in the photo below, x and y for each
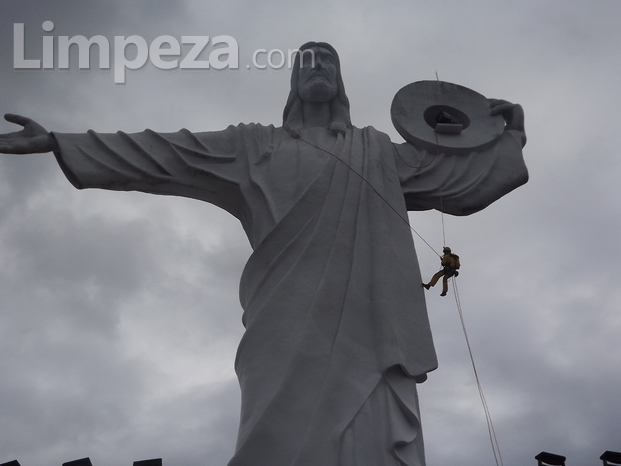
(32, 139)
(208, 166)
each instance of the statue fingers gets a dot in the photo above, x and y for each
(501, 107)
(17, 119)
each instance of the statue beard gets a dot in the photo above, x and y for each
(317, 90)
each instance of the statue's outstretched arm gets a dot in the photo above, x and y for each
(461, 184)
(33, 139)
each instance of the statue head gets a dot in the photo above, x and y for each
(323, 83)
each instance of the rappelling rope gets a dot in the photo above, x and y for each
(440, 183)
(488, 417)
(490, 426)
(440, 193)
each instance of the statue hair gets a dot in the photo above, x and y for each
(293, 115)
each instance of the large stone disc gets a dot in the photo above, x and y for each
(436, 115)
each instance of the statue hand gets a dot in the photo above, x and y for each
(33, 139)
(512, 113)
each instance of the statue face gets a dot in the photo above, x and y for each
(317, 84)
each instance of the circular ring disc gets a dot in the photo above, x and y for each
(419, 106)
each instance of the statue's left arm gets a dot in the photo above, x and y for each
(461, 184)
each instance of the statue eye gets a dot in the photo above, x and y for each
(308, 58)
(327, 59)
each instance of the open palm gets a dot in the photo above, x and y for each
(32, 139)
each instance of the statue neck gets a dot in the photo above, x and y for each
(316, 114)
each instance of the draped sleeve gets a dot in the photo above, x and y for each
(461, 184)
(208, 166)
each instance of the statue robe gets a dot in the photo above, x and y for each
(337, 333)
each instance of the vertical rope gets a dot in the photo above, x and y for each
(488, 418)
(440, 184)
(440, 194)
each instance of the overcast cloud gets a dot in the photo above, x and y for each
(119, 314)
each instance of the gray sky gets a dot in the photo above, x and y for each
(119, 316)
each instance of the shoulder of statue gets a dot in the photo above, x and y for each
(253, 130)
(375, 133)
(254, 127)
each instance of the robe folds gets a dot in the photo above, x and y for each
(337, 334)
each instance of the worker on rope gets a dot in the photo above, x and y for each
(450, 264)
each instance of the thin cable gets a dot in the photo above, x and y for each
(490, 426)
(440, 184)
(440, 194)
(488, 418)
(375, 191)
(413, 166)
